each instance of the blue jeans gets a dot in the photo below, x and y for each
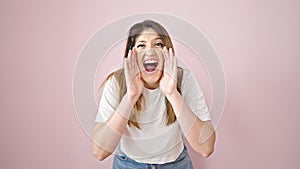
(121, 161)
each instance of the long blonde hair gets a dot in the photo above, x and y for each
(134, 32)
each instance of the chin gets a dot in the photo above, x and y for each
(152, 79)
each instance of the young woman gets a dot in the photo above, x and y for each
(150, 106)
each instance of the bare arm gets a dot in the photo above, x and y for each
(106, 136)
(200, 134)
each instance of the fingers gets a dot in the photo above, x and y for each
(169, 60)
(166, 59)
(134, 61)
(173, 60)
(128, 59)
(130, 65)
(127, 64)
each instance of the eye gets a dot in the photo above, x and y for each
(140, 46)
(158, 44)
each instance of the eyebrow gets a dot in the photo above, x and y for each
(153, 40)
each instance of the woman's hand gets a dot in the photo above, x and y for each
(134, 83)
(168, 82)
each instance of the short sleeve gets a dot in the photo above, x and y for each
(193, 96)
(108, 101)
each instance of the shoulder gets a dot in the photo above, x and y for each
(189, 82)
(187, 75)
(182, 74)
(114, 79)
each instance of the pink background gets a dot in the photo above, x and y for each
(257, 42)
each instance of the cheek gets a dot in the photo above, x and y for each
(140, 53)
(140, 64)
(160, 56)
(139, 56)
(161, 60)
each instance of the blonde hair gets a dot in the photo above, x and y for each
(134, 32)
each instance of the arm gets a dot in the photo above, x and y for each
(106, 136)
(200, 134)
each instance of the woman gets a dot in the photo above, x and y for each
(148, 107)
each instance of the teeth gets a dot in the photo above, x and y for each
(150, 65)
(150, 61)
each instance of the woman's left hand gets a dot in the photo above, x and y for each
(168, 81)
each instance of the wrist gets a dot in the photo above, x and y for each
(126, 105)
(132, 98)
(173, 95)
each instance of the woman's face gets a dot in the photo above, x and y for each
(150, 58)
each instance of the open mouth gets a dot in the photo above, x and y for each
(150, 65)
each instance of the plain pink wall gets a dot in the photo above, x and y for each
(257, 42)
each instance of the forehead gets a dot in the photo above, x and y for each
(148, 34)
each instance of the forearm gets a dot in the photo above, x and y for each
(107, 135)
(200, 134)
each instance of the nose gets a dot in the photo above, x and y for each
(149, 51)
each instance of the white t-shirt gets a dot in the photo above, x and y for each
(155, 142)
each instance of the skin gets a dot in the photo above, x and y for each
(200, 134)
(149, 46)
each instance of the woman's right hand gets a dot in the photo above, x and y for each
(134, 82)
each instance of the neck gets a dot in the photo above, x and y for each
(151, 86)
